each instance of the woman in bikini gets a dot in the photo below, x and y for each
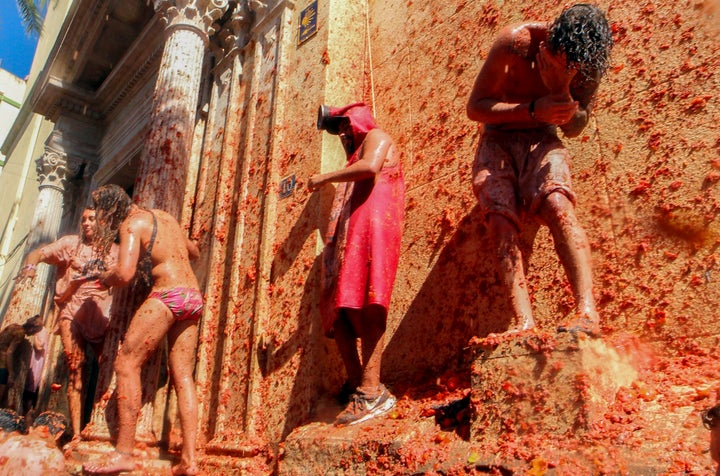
(153, 245)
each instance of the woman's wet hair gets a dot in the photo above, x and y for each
(112, 205)
(582, 32)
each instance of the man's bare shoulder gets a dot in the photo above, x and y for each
(520, 39)
(377, 135)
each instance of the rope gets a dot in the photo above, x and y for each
(369, 48)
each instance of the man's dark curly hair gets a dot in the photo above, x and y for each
(56, 424)
(10, 421)
(583, 33)
(112, 206)
(710, 417)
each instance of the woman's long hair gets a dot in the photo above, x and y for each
(112, 206)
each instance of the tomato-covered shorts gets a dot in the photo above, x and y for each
(515, 170)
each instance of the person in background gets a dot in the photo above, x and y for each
(362, 250)
(82, 303)
(10, 423)
(36, 453)
(11, 337)
(37, 361)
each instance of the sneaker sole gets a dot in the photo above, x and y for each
(381, 410)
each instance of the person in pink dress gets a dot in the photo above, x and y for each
(362, 249)
(82, 302)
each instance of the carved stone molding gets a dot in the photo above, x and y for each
(266, 10)
(54, 169)
(234, 34)
(258, 6)
(199, 15)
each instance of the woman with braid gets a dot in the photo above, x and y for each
(153, 245)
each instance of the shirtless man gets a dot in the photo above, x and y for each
(37, 452)
(362, 249)
(82, 304)
(538, 77)
(153, 244)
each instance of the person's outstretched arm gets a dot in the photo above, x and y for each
(373, 152)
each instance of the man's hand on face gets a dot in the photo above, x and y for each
(555, 73)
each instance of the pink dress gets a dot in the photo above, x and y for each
(88, 307)
(363, 240)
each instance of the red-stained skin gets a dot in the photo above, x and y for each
(171, 254)
(521, 71)
(686, 365)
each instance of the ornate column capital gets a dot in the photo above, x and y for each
(258, 6)
(235, 33)
(197, 15)
(55, 168)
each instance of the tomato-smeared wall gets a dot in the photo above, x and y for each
(645, 170)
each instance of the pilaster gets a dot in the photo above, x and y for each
(54, 169)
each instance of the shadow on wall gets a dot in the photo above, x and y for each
(461, 297)
(319, 367)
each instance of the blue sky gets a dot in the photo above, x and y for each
(17, 48)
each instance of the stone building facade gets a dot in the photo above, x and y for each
(206, 109)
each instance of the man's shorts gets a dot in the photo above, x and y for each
(514, 171)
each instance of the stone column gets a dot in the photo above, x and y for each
(54, 169)
(161, 180)
(165, 157)
(225, 122)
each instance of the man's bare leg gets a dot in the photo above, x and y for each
(511, 270)
(147, 328)
(370, 325)
(346, 341)
(182, 340)
(75, 359)
(573, 248)
(371, 399)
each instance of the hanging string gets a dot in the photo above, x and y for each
(369, 50)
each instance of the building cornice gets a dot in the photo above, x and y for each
(54, 91)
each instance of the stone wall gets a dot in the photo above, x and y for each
(645, 171)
